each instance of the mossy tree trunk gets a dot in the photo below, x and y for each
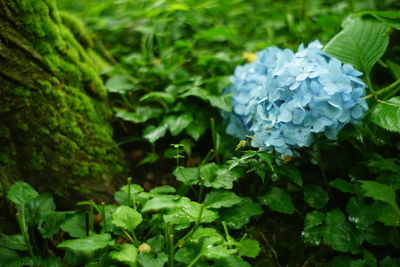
(55, 127)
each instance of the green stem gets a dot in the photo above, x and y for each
(369, 83)
(171, 245)
(91, 218)
(225, 230)
(394, 86)
(214, 139)
(103, 211)
(24, 231)
(182, 241)
(200, 199)
(195, 259)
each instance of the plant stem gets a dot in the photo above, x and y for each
(91, 218)
(103, 211)
(369, 83)
(171, 245)
(384, 90)
(129, 190)
(225, 230)
(214, 138)
(182, 241)
(200, 199)
(24, 231)
(195, 260)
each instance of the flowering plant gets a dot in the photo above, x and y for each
(284, 99)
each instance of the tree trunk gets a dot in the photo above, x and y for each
(55, 127)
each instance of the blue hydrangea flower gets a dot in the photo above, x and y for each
(285, 99)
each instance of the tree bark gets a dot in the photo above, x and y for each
(55, 129)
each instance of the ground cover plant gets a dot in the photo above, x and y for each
(260, 133)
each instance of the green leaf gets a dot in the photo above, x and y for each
(339, 234)
(161, 202)
(315, 196)
(313, 219)
(21, 193)
(219, 101)
(361, 214)
(127, 218)
(75, 225)
(389, 262)
(188, 176)
(343, 186)
(150, 260)
(278, 199)
(239, 215)
(380, 192)
(127, 254)
(390, 18)
(120, 84)
(15, 242)
(249, 248)
(221, 198)
(218, 176)
(50, 225)
(291, 173)
(149, 159)
(176, 124)
(40, 208)
(7, 255)
(141, 114)
(387, 215)
(152, 133)
(157, 96)
(88, 244)
(361, 43)
(188, 211)
(232, 261)
(161, 190)
(387, 114)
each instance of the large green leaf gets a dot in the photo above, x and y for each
(218, 176)
(221, 198)
(177, 124)
(239, 215)
(361, 43)
(279, 200)
(15, 242)
(127, 254)
(88, 244)
(150, 260)
(127, 218)
(381, 192)
(75, 225)
(120, 84)
(21, 193)
(249, 248)
(153, 133)
(387, 114)
(141, 114)
(315, 196)
(188, 176)
(390, 18)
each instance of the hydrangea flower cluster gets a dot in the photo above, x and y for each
(285, 99)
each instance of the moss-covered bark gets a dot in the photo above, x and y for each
(54, 120)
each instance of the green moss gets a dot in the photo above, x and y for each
(64, 114)
(37, 160)
(78, 29)
(4, 131)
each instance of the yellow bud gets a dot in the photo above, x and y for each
(144, 248)
(249, 57)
